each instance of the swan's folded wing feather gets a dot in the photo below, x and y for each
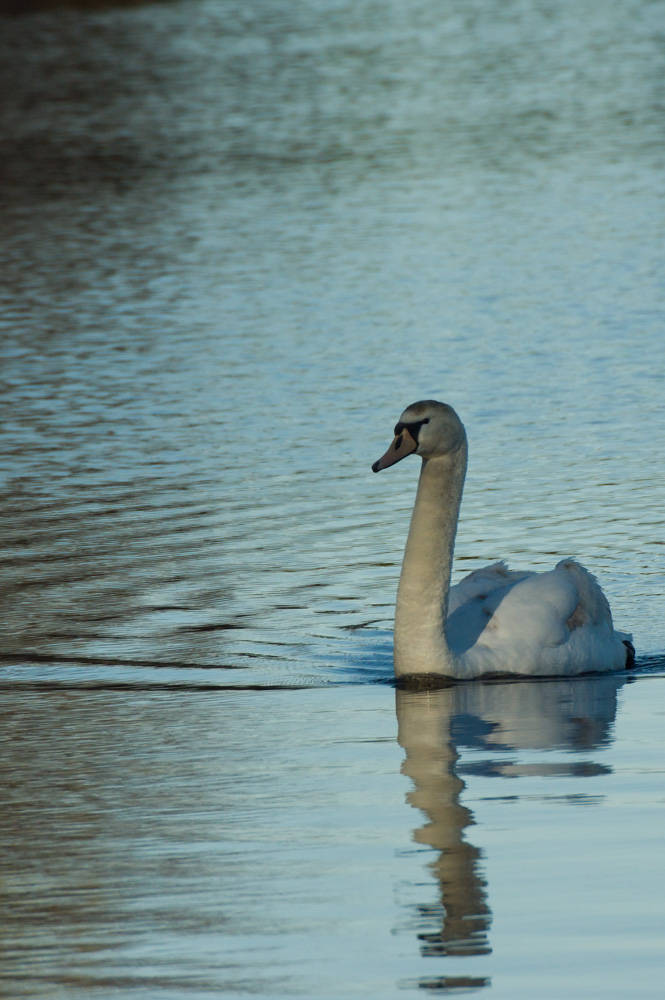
(473, 601)
(593, 607)
(559, 620)
(534, 613)
(482, 582)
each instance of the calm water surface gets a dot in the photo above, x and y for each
(237, 239)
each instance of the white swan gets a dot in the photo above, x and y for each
(495, 621)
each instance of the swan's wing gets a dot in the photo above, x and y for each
(483, 582)
(473, 601)
(560, 619)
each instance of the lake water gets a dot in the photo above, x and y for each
(237, 239)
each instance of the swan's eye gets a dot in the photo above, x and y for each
(398, 443)
(413, 427)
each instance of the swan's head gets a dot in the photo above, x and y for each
(428, 429)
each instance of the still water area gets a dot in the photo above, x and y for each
(237, 239)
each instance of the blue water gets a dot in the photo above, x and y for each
(237, 240)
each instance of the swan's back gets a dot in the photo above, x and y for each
(508, 622)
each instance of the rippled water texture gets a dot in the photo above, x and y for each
(236, 240)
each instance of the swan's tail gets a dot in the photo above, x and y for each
(626, 639)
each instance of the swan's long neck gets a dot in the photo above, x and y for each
(422, 596)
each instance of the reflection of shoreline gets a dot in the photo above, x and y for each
(28, 6)
(501, 718)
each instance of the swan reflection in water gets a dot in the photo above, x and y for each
(504, 718)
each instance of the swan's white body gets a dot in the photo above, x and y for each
(495, 621)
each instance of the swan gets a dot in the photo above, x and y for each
(495, 621)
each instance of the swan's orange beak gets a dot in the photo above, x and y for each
(403, 445)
